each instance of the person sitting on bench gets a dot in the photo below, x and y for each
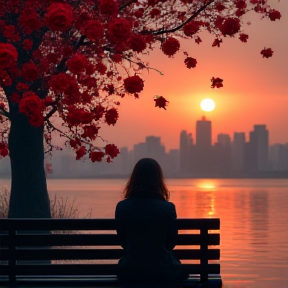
(146, 228)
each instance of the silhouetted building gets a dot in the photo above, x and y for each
(238, 147)
(278, 157)
(140, 151)
(257, 149)
(203, 149)
(155, 149)
(222, 153)
(183, 157)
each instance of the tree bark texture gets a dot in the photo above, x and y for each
(29, 196)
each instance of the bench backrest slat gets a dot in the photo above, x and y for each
(96, 224)
(93, 240)
(86, 269)
(98, 254)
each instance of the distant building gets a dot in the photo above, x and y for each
(203, 149)
(140, 151)
(238, 149)
(222, 153)
(183, 157)
(278, 157)
(256, 152)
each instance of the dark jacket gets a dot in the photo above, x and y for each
(147, 232)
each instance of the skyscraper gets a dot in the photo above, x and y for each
(257, 150)
(203, 145)
(183, 152)
(238, 147)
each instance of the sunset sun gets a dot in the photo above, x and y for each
(207, 105)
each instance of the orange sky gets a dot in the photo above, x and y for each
(255, 89)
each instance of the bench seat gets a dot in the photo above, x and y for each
(30, 251)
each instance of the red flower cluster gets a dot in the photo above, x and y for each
(119, 30)
(3, 150)
(216, 82)
(77, 64)
(190, 62)
(160, 102)
(31, 105)
(8, 55)
(111, 116)
(59, 16)
(243, 37)
(111, 150)
(133, 84)
(170, 46)
(93, 30)
(30, 71)
(108, 7)
(63, 83)
(30, 20)
(90, 131)
(274, 14)
(191, 28)
(96, 156)
(230, 26)
(80, 152)
(267, 53)
(137, 43)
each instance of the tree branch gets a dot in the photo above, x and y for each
(54, 109)
(5, 113)
(194, 15)
(126, 5)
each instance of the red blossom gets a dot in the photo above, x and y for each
(230, 26)
(80, 152)
(243, 37)
(8, 55)
(133, 84)
(274, 14)
(77, 64)
(63, 83)
(119, 29)
(241, 4)
(96, 156)
(217, 42)
(155, 12)
(108, 7)
(216, 82)
(190, 62)
(198, 40)
(59, 16)
(3, 149)
(170, 46)
(90, 131)
(30, 71)
(111, 150)
(30, 20)
(101, 68)
(160, 102)
(98, 112)
(31, 105)
(93, 30)
(266, 53)
(191, 28)
(137, 43)
(111, 116)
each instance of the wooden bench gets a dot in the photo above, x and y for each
(93, 239)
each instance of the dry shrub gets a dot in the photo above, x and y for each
(60, 207)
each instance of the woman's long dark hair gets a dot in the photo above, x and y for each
(146, 180)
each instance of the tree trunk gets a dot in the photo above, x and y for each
(29, 196)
